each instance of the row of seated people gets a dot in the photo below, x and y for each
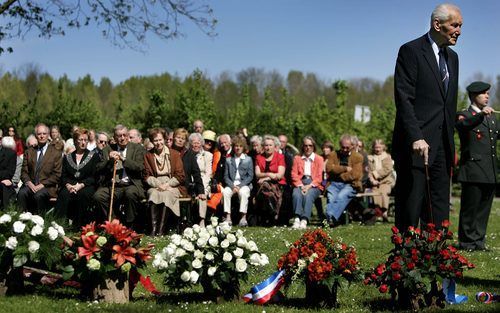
(171, 170)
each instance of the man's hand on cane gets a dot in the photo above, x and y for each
(421, 147)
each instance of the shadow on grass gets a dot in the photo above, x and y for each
(379, 305)
(487, 283)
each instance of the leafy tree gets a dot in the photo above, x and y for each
(123, 22)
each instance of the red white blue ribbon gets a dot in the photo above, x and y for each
(263, 292)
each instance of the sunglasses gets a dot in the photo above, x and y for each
(103, 141)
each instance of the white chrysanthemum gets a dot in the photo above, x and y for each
(239, 233)
(238, 252)
(209, 256)
(198, 254)
(214, 221)
(231, 238)
(25, 216)
(252, 246)
(201, 242)
(93, 265)
(188, 246)
(255, 259)
(36, 230)
(11, 243)
(224, 244)
(179, 252)
(6, 218)
(157, 260)
(264, 260)
(176, 239)
(211, 270)
(196, 263)
(210, 230)
(186, 276)
(227, 257)
(225, 228)
(194, 277)
(301, 263)
(213, 241)
(204, 234)
(19, 260)
(242, 242)
(59, 228)
(52, 232)
(196, 228)
(188, 232)
(241, 265)
(18, 227)
(37, 219)
(33, 246)
(168, 251)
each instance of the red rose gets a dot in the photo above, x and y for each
(445, 224)
(430, 226)
(458, 274)
(394, 229)
(411, 229)
(383, 288)
(395, 266)
(410, 265)
(396, 276)
(397, 240)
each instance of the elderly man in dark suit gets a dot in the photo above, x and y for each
(8, 160)
(40, 173)
(478, 130)
(425, 88)
(129, 158)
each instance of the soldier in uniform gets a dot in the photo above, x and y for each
(478, 131)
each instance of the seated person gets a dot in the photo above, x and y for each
(200, 187)
(55, 138)
(40, 174)
(164, 176)
(307, 174)
(381, 177)
(129, 191)
(270, 174)
(78, 183)
(345, 170)
(8, 165)
(238, 176)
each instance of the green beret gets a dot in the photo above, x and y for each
(478, 87)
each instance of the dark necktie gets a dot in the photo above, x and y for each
(38, 165)
(445, 77)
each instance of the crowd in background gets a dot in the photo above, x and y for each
(171, 176)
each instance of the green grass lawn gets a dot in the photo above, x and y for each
(372, 243)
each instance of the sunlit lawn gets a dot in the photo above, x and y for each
(372, 243)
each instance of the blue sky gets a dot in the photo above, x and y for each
(334, 39)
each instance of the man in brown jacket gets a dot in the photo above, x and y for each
(40, 173)
(345, 170)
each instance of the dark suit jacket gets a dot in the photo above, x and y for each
(50, 169)
(245, 168)
(86, 173)
(8, 159)
(423, 107)
(133, 164)
(193, 182)
(478, 139)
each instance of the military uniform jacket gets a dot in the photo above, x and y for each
(478, 137)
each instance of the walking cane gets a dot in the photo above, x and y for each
(428, 183)
(112, 192)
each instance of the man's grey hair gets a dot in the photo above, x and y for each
(443, 12)
(8, 142)
(227, 136)
(41, 125)
(102, 133)
(346, 137)
(194, 136)
(120, 127)
(29, 138)
(137, 131)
